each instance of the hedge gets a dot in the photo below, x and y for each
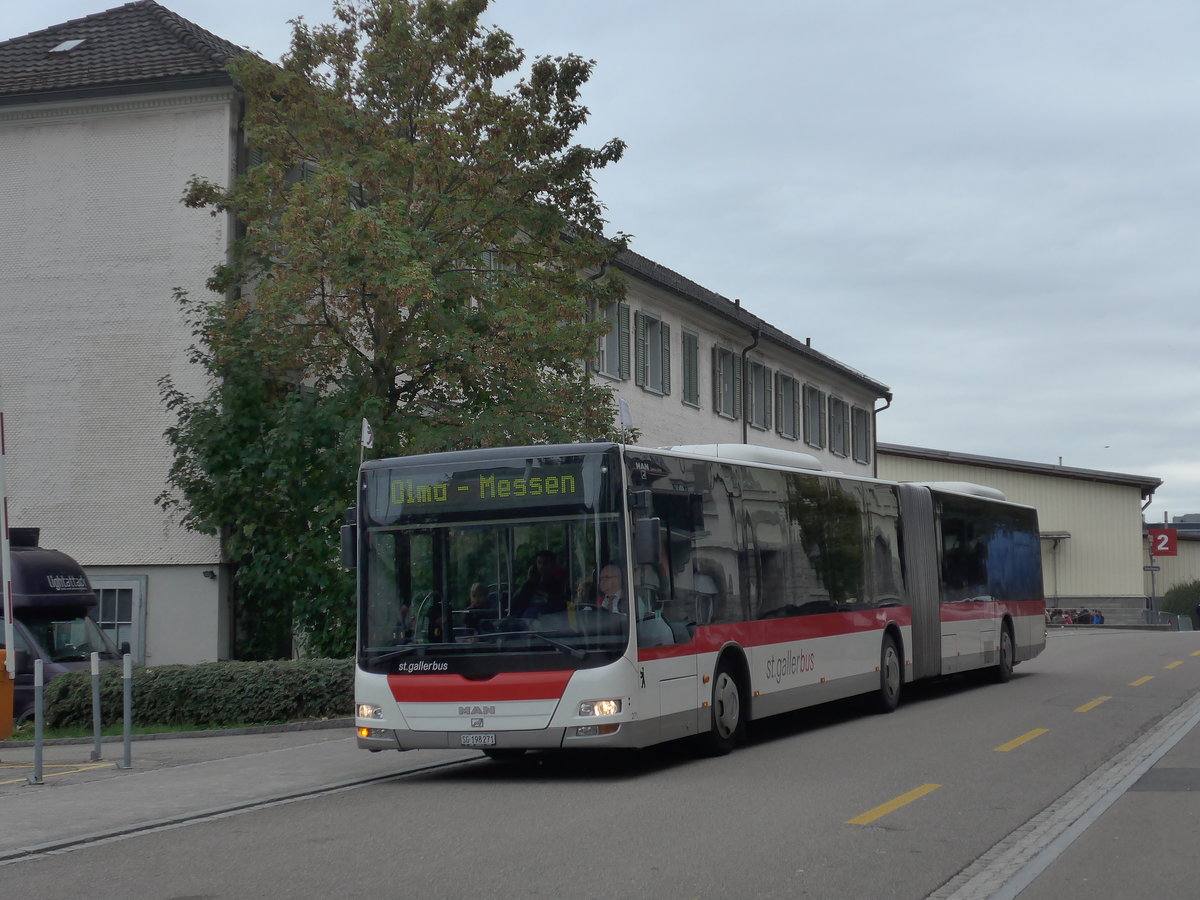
(1182, 599)
(217, 694)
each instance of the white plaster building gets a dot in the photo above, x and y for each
(102, 121)
(694, 368)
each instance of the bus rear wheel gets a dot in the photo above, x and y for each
(728, 712)
(891, 676)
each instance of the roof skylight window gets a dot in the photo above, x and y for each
(67, 46)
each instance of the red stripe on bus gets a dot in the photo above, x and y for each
(451, 688)
(710, 638)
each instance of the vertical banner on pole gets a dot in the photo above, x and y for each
(5, 557)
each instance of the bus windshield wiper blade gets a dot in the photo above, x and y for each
(561, 646)
(573, 652)
(390, 654)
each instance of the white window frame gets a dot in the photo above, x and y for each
(690, 362)
(612, 352)
(132, 629)
(652, 353)
(814, 416)
(860, 425)
(787, 406)
(727, 382)
(759, 413)
(839, 427)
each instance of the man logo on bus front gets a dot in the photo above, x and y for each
(477, 710)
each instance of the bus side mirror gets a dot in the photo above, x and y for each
(349, 536)
(647, 541)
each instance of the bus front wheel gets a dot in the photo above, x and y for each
(891, 675)
(728, 712)
(1004, 666)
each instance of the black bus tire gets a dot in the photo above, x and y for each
(891, 675)
(727, 711)
(1004, 665)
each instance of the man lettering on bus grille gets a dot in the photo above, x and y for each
(612, 596)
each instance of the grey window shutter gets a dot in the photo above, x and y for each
(639, 349)
(666, 358)
(623, 327)
(716, 378)
(778, 402)
(737, 385)
(797, 426)
(767, 404)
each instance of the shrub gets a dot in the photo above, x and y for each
(1182, 599)
(209, 694)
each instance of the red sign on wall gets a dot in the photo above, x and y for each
(1163, 542)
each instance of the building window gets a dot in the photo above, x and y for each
(759, 412)
(727, 383)
(613, 358)
(839, 427)
(691, 368)
(814, 416)
(861, 421)
(787, 406)
(652, 340)
(122, 611)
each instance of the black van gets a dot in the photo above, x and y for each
(54, 610)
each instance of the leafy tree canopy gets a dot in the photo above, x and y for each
(418, 242)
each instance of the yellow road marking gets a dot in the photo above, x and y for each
(60, 769)
(1023, 739)
(1196, 653)
(892, 805)
(1141, 681)
(1088, 707)
(1177, 663)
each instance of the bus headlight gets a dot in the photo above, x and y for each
(370, 711)
(600, 707)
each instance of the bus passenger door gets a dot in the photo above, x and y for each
(664, 627)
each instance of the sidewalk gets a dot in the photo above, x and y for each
(178, 778)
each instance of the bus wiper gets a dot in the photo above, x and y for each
(391, 654)
(573, 652)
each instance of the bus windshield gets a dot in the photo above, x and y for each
(68, 635)
(454, 579)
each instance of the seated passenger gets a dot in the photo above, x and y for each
(611, 593)
(478, 612)
(543, 591)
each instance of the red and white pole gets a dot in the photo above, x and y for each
(6, 559)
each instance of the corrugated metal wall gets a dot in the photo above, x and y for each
(1103, 557)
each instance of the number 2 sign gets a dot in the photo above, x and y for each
(1163, 542)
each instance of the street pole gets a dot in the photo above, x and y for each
(6, 560)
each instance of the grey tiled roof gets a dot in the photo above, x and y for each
(138, 46)
(670, 280)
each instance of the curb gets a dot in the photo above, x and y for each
(315, 725)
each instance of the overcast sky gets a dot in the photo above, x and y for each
(991, 207)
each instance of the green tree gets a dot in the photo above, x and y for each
(1183, 599)
(419, 243)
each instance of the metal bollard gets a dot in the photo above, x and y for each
(128, 679)
(39, 708)
(96, 703)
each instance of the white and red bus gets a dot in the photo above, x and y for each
(603, 595)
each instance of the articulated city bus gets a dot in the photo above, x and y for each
(603, 595)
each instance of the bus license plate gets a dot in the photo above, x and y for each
(477, 740)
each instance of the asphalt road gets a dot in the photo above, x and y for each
(830, 803)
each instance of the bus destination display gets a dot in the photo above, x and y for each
(422, 493)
